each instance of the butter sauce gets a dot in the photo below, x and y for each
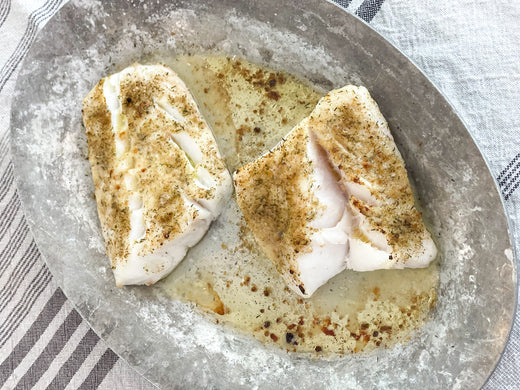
(250, 108)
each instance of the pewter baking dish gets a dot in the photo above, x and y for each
(169, 342)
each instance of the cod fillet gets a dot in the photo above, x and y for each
(159, 177)
(334, 194)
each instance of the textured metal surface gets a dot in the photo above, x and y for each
(167, 341)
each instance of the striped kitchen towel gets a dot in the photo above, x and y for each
(469, 48)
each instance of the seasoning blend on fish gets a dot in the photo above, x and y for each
(334, 194)
(158, 174)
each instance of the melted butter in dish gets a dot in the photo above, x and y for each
(250, 109)
(158, 174)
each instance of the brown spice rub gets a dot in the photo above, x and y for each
(155, 107)
(101, 152)
(349, 126)
(269, 192)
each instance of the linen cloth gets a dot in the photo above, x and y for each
(469, 48)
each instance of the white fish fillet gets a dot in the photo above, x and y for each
(334, 194)
(159, 177)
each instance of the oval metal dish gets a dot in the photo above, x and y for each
(169, 342)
